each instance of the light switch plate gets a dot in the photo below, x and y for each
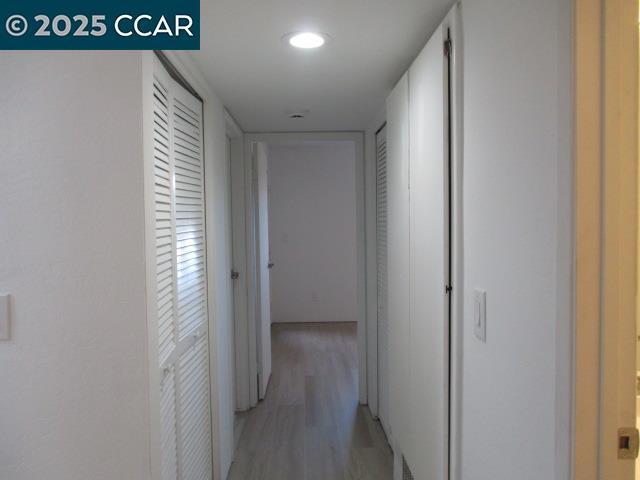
(5, 320)
(480, 314)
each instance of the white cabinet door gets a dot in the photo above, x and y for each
(180, 282)
(398, 258)
(426, 447)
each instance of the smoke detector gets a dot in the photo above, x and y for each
(296, 114)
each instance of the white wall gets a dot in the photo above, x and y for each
(312, 229)
(73, 401)
(517, 230)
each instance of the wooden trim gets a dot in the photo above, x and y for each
(606, 116)
(620, 224)
(588, 227)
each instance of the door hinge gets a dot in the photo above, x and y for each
(235, 275)
(447, 48)
(628, 442)
(448, 289)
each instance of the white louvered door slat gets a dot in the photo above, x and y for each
(381, 254)
(181, 301)
(195, 427)
(168, 440)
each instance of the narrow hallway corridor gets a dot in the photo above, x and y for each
(310, 425)
(410, 227)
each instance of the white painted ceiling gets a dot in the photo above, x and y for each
(342, 85)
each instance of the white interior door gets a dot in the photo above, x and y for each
(234, 274)
(242, 373)
(263, 269)
(180, 282)
(381, 259)
(426, 450)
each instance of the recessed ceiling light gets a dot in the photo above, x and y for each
(306, 40)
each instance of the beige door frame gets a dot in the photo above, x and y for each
(606, 175)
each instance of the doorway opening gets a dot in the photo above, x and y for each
(308, 235)
(307, 283)
(252, 343)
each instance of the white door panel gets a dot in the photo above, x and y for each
(232, 267)
(262, 254)
(398, 258)
(426, 449)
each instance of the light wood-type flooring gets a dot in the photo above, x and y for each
(310, 426)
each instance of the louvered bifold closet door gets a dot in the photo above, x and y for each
(181, 304)
(193, 393)
(381, 248)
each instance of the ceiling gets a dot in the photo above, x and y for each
(342, 85)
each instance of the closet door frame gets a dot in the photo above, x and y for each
(452, 24)
(379, 122)
(382, 373)
(155, 428)
(457, 244)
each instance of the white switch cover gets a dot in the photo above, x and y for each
(480, 314)
(4, 318)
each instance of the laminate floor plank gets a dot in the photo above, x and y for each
(310, 426)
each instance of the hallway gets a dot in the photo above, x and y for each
(310, 425)
(334, 240)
